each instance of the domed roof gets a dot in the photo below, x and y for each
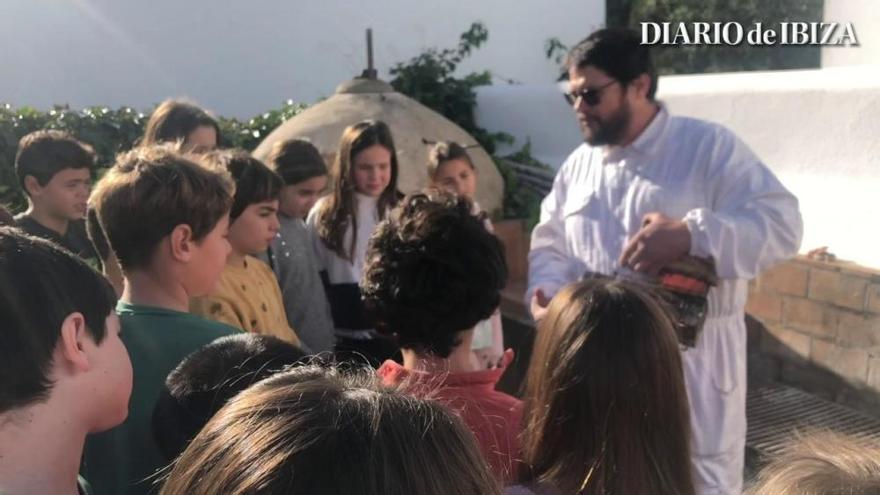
(411, 125)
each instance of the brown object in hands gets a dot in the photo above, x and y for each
(684, 286)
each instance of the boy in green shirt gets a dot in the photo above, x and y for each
(166, 218)
(60, 344)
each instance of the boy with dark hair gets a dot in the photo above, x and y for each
(60, 344)
(166, 219)
(247, 295)
(54, 171)
(290, 255)
(206, 379)
(433, 272)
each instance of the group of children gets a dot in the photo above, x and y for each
(226, 349)
(201, 243)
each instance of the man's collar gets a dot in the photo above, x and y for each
(646, 143)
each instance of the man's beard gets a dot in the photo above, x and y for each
(610, 130)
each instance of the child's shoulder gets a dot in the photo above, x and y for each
(232, 278)
(30, 226)
(157, 322)
(258, 267)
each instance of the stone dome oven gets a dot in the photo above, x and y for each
(411, 124)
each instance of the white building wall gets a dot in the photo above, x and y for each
(865, 18)
(239, 58)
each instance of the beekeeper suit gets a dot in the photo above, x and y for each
(644, 193)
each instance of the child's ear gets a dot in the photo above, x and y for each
(72, 341)
(32, 185)
(182, 243)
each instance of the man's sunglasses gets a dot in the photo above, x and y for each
(590, 96)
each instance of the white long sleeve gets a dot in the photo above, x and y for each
(549, 261)
(754, 223)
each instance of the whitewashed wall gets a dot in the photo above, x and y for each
(244, 57)
(817, 129)
(865, 17)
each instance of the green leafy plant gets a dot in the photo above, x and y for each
(110, 132)
(249, 134)
(519, 201)
(555, 50)
(430, 79)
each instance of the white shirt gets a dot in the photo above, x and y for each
(343, 275)
(341, 270)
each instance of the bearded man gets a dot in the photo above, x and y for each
(647, 189)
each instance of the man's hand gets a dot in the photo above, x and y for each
(660, 241)
(539, 305)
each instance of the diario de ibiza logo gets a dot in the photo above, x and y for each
(758, 34)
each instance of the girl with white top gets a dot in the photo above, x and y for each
(364, 190)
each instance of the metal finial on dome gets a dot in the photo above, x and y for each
(370, 71)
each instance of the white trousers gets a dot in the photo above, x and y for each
(715, 376)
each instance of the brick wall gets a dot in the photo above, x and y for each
(819, 329)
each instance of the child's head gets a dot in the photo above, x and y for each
(433, 271)
(301, 166)
(822, 463)
(206, 379)
(60, 335)
(176, 120)
(155, 196)
(54, 170)
(605, 395)
(450, 168)
(312, 430)
(367, 160)
(367, 164)
(253, 219)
